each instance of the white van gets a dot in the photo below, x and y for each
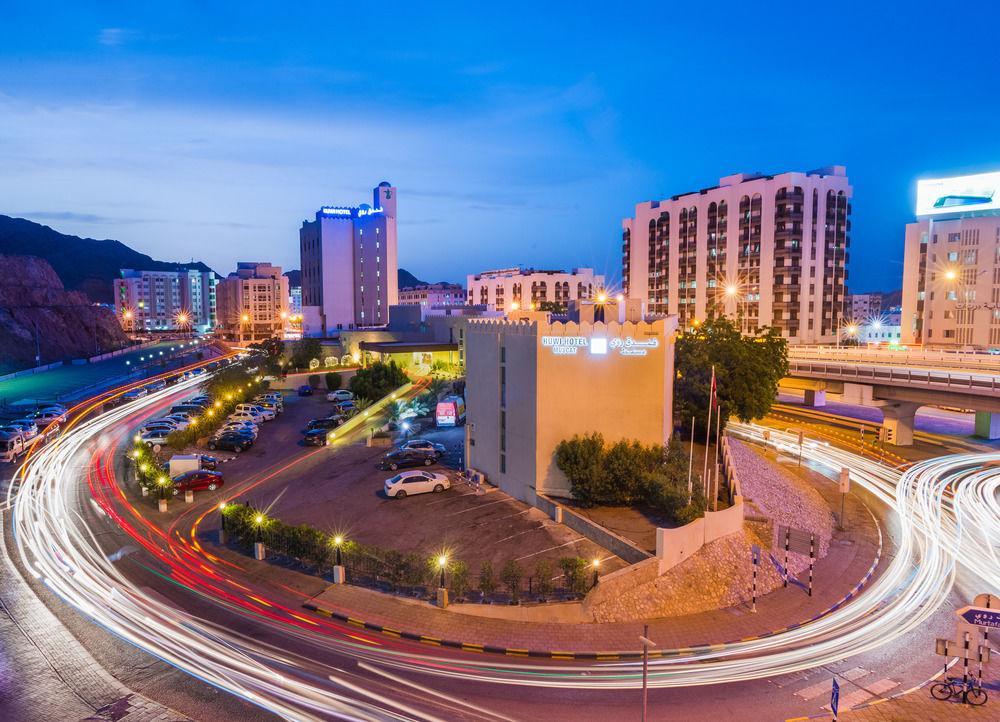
(11, 447)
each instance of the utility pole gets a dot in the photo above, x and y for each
(646, 644)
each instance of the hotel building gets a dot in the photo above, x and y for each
(166, 300)
(513, 288)
(769, 250)
(524, 377)
(349, 265)
(253, 302)
(951, 264)
(433, 294)
(864, 306)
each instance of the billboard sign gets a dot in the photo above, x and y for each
(958, 194)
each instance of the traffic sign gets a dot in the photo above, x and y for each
(799, 540)
(835, 698)
(755, 553)
(980, 616)
(845, 480)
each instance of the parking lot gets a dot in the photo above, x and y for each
(340, 490)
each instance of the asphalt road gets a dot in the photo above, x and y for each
(414, 694)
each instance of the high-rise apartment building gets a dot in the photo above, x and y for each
(951, 264)
(181, 300)
(769, 250)
(509, 289)
(349, 265)
(253, 302)
(432, 294)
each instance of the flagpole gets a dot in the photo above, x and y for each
(708, 432)
(691, 461)
(718, 443)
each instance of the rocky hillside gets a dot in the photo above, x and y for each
(69, 325)
(83, 264)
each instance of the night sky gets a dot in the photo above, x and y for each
(514, 133)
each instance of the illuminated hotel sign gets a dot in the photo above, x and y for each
(348, 212)
(958, 195)
(599, 345)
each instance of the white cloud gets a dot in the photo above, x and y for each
(114, 36)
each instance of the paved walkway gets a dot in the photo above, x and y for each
(918, 705)
(850, 558)
(46, 674)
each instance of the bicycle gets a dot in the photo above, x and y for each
(954, 687)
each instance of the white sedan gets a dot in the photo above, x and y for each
(340, 395)
(415, 482)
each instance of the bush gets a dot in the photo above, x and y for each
(313, 380)
(487, 582)
(574, 569)
(304, 351)
(333, 381)
(544, 574)
(377, 380)
(459, 578)
(511, 575)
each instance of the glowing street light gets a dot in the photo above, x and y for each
(597, 565)
(514, 306)
(602, 297)
(442, 562)
(950, 274)
(338, 542)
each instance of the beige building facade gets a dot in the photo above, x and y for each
(512, 289)
(532, 383)
(253, 303)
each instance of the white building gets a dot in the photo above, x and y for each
(864, 306)
(432, 294)
(524, 393)
(253, 302)
(883, 329)
(166, 300)
(513, 288)
(349, 265)
(769, 250)
(951, 264)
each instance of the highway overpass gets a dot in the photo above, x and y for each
(900, 382)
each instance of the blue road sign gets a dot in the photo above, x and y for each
(784, 573)
(980, 616)
(755, 552)
(835, 698)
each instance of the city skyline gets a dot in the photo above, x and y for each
(187, 133)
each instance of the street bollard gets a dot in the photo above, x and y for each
(339, 577)
(189, 497)
(145, 491)
(442, 597)
(259, 552)
(162, 505)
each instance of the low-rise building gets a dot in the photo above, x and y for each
(253, 302)
(864, 306)
(510, 289)
(883, 329)
(432, 294)
(181, 300)
(532, 382)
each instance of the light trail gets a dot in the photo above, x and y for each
(947, 510)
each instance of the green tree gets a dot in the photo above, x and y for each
(574, 571)
(487, 582)
(459, 578)
(313, 380)
(305, 350)
(378, 380)
(333, 381)
(747, 370)
(581, 459)
(543, 575)
(511, 575)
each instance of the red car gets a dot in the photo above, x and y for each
(198, 481)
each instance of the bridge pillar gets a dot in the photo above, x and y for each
(859, 394)
(815, 397)
(988, 425)
(897, 420)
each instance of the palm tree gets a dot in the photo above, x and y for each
(437, 387)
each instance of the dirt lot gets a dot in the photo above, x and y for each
(339, 489)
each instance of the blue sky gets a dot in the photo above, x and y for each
(515, 133)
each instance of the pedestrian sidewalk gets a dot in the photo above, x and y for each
(917, 705)
(46, 674)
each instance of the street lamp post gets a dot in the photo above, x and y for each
(442, 592)
(244, 320)
(597, 565)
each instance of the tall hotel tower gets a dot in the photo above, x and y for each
(349, 265)
(763, 250)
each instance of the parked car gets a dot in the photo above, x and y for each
(274, 396)
(270, 406)
(246, 416)
(159, 430)
(249, 434)
(265, 414)
(305, 390)
(406, 457)
(156, 386)
(423, 445)
(28, 428)
(192, 410)
(200, 480)
(340, 395)
(316, 437)
(209, 462)
(154, 438)
(347, 408)
(11, 446)
(180, 420)
(331, 422)
(229, 440)
(415, 482)
(47, 416)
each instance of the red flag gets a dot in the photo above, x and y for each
(712, 398)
